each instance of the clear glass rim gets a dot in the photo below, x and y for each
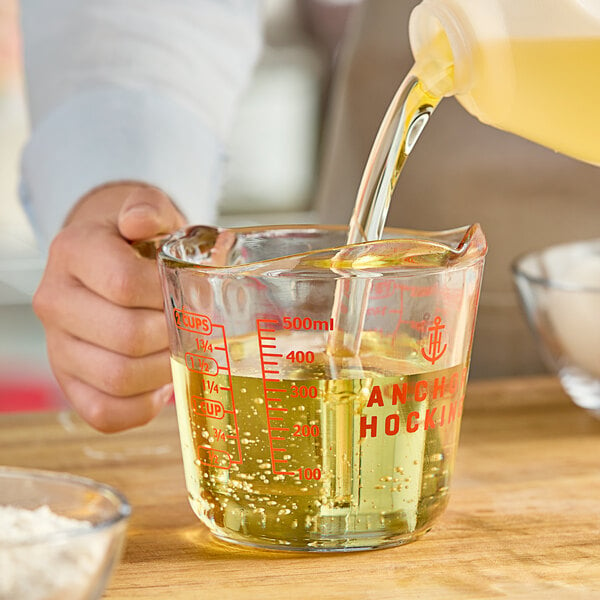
(475, 246)
(519, 270)
(122, 508)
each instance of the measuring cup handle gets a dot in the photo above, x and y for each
(149, 248)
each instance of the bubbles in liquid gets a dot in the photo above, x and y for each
(343, 486)
(323, 479)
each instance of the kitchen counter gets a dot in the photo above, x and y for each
(523, 519)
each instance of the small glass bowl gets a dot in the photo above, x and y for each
(75, 561)
(559, 288)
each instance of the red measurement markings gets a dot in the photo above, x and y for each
(214, 458)
(208, 407)
(197, 363)
(212, 387)
(307, 324)
(194, 322)
(447, 299)
(270, 361)
(220, 434)
(204, 345)
(227, 368)
(213, 360)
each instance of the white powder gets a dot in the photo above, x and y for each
(575, 314)
(62, 569)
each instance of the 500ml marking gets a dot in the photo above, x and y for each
(306, 324)
(276, 393)
(211, 359)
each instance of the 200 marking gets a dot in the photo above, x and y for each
(306, 430)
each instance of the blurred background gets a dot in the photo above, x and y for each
(23, 364)
(301, 140)
(272, 167)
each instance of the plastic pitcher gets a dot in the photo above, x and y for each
(524, 66)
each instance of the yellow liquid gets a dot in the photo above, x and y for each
(405, 119)
(545, 90)
(356, 468)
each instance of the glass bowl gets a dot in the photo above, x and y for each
(60, 535)
(559, 289)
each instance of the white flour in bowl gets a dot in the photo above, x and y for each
(51, 570)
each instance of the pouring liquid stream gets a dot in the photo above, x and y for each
(333, 466)
(355, 447)
(403, 123)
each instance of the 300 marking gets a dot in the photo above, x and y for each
(304, 391)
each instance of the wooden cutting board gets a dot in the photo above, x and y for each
(523, 520)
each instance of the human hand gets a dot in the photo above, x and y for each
(101, 305)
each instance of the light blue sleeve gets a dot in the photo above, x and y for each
(131, 90)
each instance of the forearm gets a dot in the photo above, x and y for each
(131, 90)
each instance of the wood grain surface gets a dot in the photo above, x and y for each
(523, 519)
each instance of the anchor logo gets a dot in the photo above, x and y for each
(435, 342)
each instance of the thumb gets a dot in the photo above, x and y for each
(146, 213)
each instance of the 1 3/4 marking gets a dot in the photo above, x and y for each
(204, 345)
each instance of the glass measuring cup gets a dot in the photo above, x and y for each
(287, 443)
